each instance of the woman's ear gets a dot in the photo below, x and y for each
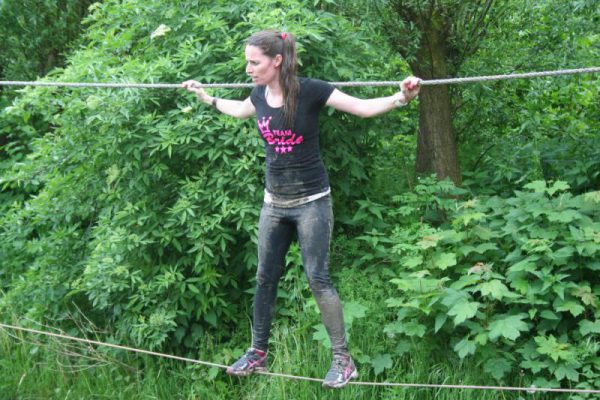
(278, 60)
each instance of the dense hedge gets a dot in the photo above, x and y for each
(140, 207)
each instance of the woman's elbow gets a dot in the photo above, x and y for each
(365, 114)
(362, 112)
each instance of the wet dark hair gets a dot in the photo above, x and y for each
(273, 42)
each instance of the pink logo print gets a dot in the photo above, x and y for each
(283, 140)
(264, 125)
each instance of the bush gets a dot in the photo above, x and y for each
(140, 207)
(511, 282)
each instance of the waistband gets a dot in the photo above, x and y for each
(285, 203)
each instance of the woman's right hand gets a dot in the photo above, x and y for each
(194, 87)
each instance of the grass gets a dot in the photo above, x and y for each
(31, 369)
(40, 368)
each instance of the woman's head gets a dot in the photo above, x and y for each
(271, 55)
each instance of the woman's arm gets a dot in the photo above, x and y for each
(366, 108)
(235, 108)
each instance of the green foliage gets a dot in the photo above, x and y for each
(517, 131)
(36, 34)
(85, 372)
(509, 279)
(413, 26)
(140, 207)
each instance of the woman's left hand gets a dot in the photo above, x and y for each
(410, 87)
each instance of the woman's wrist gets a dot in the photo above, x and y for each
(205, 98)
(400, 99)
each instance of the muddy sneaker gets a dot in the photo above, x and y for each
(253, 360)
(341, 371)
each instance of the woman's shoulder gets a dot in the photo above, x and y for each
(258, 92)
(313, 84)
(306, 81)
(316, 88)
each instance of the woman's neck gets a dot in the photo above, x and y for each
(274, 88)
(274, 94)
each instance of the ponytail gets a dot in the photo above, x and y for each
(273, 42)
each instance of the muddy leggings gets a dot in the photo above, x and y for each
(313, 223)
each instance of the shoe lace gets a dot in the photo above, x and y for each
(252, 355)
(340, 362)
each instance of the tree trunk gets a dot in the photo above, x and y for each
(436, 146)
(436, 143)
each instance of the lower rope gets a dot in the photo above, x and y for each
(531, 389)
(430, 82)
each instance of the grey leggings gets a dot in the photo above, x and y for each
(313, 222)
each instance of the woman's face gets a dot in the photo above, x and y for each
(260, 67)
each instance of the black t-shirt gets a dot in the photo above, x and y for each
(294, 167)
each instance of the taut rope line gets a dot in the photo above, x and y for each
(303, 378)
(430, 82)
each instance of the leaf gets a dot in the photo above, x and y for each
(404, 346)
(509, 327)
(444, 260)
(534, 365)
(414, 329)
(353, 311)
(463, 311)
(391, 330)
(566, 371)
(466, 250)
(193, 288)
(466, 218)
(453, 297)
(586, 327)
(412, 262)
(320, 335)
(440, 320)
(211, 318)
(465, 347)
(558, 186)
(525, 265)
(536, 186)
(483, 233)
(494, 289)
(585, 294)
(466, 281)
(381, 362)
(520, 285)
(565, 216)
(497, 367)
(574, 308)
(428, 241)
(551, 347)
(547, 314)
(482, 248)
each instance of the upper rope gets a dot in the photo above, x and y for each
(429, 82)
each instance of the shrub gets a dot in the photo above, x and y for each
(512, 282)
(140, 207)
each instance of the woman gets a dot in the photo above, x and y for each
(297, 195)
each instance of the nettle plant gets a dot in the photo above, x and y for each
(512, 282)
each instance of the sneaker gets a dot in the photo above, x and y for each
(341, 371)
(253, 360)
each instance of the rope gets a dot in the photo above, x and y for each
(430, 82)
(531, 389)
